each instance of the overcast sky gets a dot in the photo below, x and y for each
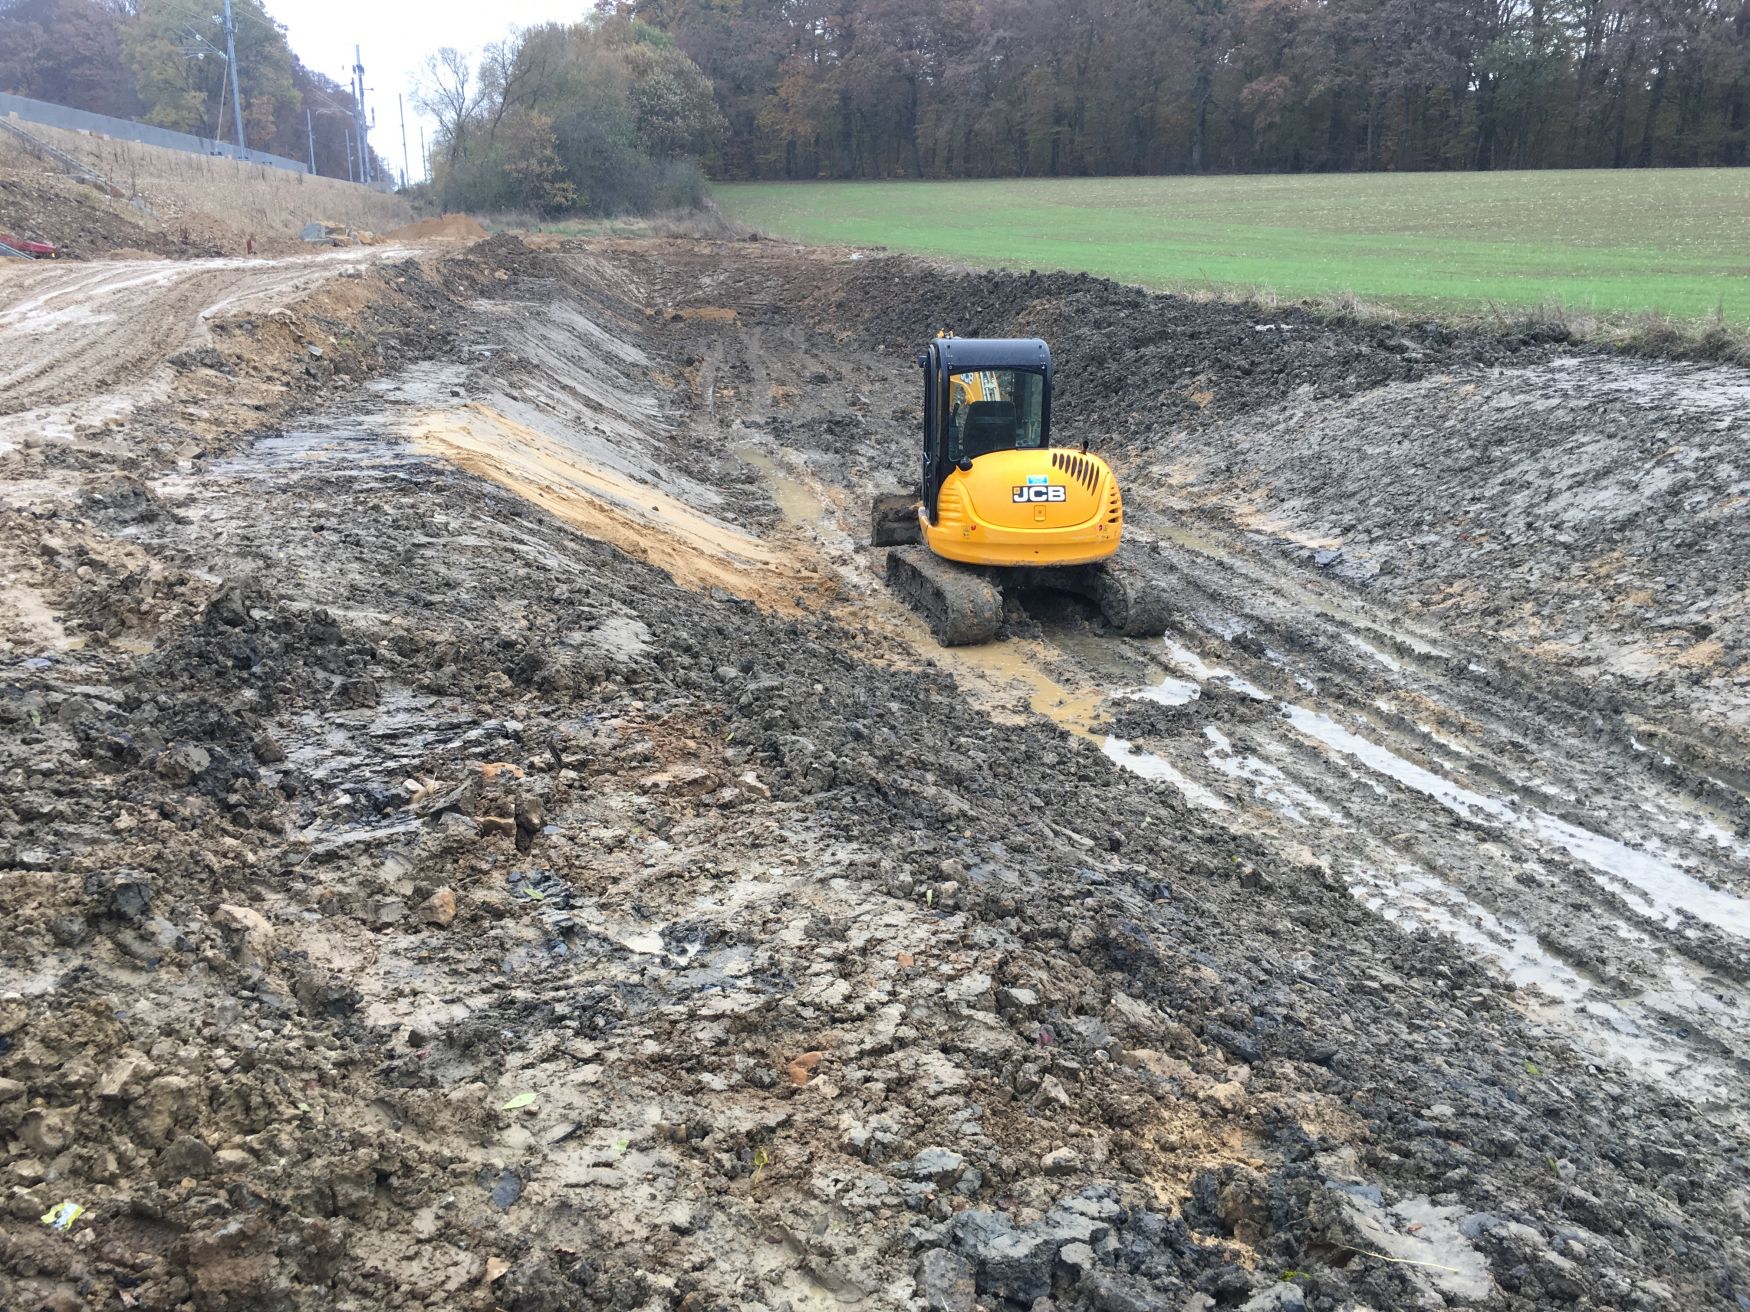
(395, 37)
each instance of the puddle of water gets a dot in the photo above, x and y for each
(1390, 662)
(1660, 884)
(1194, 665)
(1269, 783)
(1408, 891)
(797, 502)
(647, 944)
(1169, 691)
(1022, 661)
(1186, 659)
(1445, 740)
(1158, 768)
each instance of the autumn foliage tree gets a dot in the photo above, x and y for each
(617, 112)
(604, 117)
(160, 61)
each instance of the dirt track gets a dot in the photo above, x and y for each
(93, 331)
(478, 834)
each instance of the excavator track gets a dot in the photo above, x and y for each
(894, 520)
(1132, 603)
(960, 607)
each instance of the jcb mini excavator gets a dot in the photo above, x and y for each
(999, 507)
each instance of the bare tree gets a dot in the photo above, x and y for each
(446, 90)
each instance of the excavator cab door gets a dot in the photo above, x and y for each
(969, 373)
(934, 435)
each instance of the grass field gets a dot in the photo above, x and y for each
(1606, 243)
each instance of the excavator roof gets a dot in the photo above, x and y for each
(962, 353)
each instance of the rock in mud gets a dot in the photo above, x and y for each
(122, 895)
(940, 1166)
(1008, 1261)
(945, 1282)
(181, 763)
(439, 909)
(531, 814)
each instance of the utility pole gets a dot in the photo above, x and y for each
(310, 130)
(358, 105)
(231, 61)
(348, 138)
(401, 104)
(424, 162)
(219, 122)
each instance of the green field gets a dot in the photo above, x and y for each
(1607, 243)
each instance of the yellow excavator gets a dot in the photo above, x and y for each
(999, 507)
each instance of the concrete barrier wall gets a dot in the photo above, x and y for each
(126, 129)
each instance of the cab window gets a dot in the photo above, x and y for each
(994, 410)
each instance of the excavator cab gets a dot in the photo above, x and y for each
(981, 395)
(993, 491)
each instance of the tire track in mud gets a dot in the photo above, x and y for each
(1410, 786)
(76, 332)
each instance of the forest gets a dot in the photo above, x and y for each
(162, 62)
(622, 109)
(998, 88)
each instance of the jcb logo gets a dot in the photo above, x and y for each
(1036, 493)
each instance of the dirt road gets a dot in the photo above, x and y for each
(89, 331)
(478, 834)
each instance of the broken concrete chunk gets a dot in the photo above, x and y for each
(1229, 1096)
(1012, 1263)
(1078, 1258)
(250, 932)
(1052, 1090)
(181, 763)
(1061, 1161)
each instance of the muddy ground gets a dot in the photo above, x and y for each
(477, 834)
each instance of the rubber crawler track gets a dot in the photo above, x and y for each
(960, 607)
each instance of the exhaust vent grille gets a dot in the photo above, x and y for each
(1081, 468)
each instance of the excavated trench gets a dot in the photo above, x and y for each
(511, 850)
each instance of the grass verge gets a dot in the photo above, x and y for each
(1632, 256)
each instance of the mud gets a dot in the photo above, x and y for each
(478, 833)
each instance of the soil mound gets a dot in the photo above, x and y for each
(447, 227)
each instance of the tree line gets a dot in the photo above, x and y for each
(619, 111)
(604, 116)
(990, 88)
(162, 62)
